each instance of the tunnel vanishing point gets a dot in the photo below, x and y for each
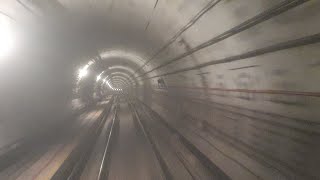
(160, 89)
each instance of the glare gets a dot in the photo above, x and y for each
(99, 76)
(84, 71)
(104, 80)
(6, 36)
(110, 86)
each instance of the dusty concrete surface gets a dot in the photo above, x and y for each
(238, 79)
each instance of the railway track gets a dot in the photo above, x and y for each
(124, 140)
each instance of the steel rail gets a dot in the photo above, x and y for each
(107, 148)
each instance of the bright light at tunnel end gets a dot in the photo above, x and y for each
(7, 36)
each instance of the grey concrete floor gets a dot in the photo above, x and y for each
(132, 157)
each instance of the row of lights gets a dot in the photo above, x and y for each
(84, 72)
(108, 83)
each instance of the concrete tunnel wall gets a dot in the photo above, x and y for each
(241, 82)
(255, 117)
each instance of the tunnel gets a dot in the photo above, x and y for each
(159, 89)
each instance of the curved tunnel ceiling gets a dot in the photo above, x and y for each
(125, 72)
(125, 75)
(120, 84)
(240, 74)
(119, 77)
(215, 58)
(122, 54)
(119, 64)
(187, 48)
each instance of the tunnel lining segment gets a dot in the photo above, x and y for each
(264, 16)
